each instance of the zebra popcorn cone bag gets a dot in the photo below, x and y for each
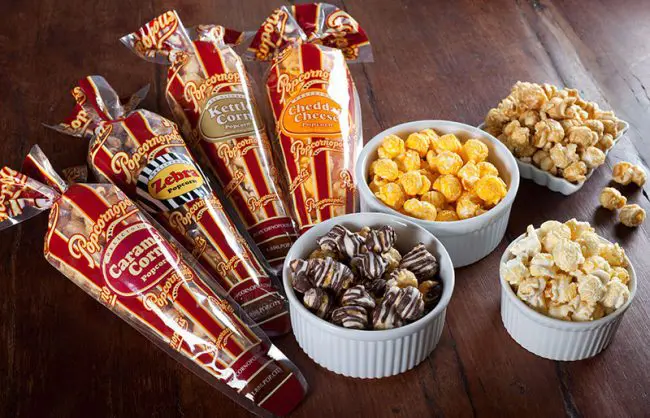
(315, 105)
(211, 97)
(145, 156)
(103, 243)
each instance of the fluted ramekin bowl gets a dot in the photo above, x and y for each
(467, 240)
(553, 338)
(368, 353)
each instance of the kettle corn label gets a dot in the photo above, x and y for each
(169, 181)
(227, 115)
(311, 113)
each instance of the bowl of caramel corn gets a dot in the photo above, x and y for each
(455, 180)
(564, 290)
(557, 136)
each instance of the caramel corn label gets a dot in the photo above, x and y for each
(311, 113)
(226, 116)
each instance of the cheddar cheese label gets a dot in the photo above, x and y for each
(311, 113)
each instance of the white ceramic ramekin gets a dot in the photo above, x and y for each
(360, 353)
(553, 338)
(554, 183)
(468, 240)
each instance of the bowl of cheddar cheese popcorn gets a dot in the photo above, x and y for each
(564, 290)
(557, 136)
(453, 179)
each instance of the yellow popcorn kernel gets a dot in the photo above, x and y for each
(467, 205)
(436, 198)
(487, 169)
(392, 195)
(411, 182)
(418, 142)
(376, 183)
(408, 161)
(385, 169)
(448, 162)
(491, 189)
(421, 210)
(450, 186)
(431, 135)
(474, 150)
(426, 184)
(391, 147)
(469, 174)
(446, 215)
(447, 142)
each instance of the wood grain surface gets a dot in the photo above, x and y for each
(63, 355)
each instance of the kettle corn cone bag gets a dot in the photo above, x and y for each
(103, 243)
(314, 104)
(145, 156)
(211, 98)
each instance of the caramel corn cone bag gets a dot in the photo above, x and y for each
(211, 98)
(315, 105)
(101, 241)
(144, 155)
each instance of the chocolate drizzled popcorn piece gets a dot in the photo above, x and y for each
(385, 314)
(402, 278)
(318, 301)
(380, 240)
(370, 266)
(328, 273)
(421, 262)
(342, 241)
(300, 280)
(409, 304)
(431, 291)
(353, 317)
(358, 296)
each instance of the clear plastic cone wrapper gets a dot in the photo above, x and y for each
(101, 241)
(315, 105)
(211, 97)
(145, 156)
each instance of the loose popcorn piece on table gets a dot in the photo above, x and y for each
(566, 271)
(560, 132)
(632, 215)
(612, 199)
(625, 173)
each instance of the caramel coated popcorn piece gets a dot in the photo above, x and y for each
(625, 173)
(612, 199)
(593, 157)
(402, 278)
(631, 215)
(547, 131)
(576, 172)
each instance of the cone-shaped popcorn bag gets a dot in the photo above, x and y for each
(211, 97)
(315, 105)
(144, 155)
(103, 243)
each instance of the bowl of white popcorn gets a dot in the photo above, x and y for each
(564, 290)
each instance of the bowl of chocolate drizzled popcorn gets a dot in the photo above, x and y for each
(368, 293)
(558, 137)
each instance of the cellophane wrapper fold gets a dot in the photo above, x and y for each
(144, 155)
(315, 105)
(101, 241)
(211, 97)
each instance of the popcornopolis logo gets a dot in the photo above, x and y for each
(228, 115)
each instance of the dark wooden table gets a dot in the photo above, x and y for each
(64, 355)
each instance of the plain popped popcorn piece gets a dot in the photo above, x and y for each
(616, 294)
(552, 232)
(561, 289)
(631, 215)
(610, 198)
(578, 228)
(590, 289)
(514, 271)
(614, 254)
(587, 311)
(621, 274)
(542, 265)
(531, 291)
(595, 262)
(528, 246)
(567, 255)
(589, 244)
(561, 311)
